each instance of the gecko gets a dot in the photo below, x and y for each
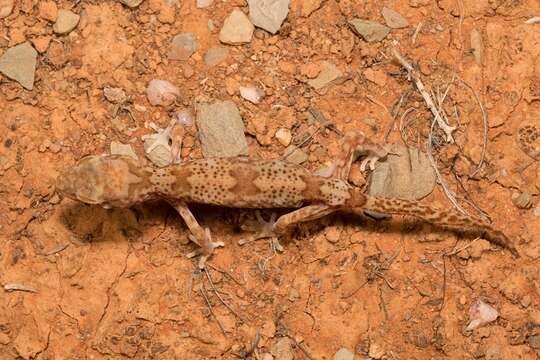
(239, 182)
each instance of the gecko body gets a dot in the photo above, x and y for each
(120, 181)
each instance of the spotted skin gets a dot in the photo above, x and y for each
(120, 181)
(528, 137)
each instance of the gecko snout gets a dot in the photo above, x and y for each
(84, 181)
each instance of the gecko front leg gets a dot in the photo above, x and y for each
(199, 235)
(354, 145)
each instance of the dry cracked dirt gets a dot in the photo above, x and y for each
(82, 282)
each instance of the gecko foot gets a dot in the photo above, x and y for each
(264, 230)
(207, 247)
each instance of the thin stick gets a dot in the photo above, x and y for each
(449, 194)
(219, 296)
(202, 290)
(416, 32)
(485, 122)
(427, 98)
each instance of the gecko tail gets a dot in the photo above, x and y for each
(439, 217)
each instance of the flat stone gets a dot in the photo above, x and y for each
(328, 74)
(66, 21)
(215, 55)
(534, 341)
(204, 3)
(405, 174)
(295, 155)
(183, 46)
(268, 14)
(237, 29)
(19, 63)
(117, 148)
(6, 7)
(221, 130)
(394, 19)
(343, 354)
(371, 31)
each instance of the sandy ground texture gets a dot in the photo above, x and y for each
(82, 282)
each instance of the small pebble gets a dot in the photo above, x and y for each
(251, 94)
(183, 46)
(215, 55)
(268, 15)
(204, 3)
(66, 21)
(237, 29)
(343, 354)
(131, 3)
(394, 19)
(19, 63)
(6, 7)
(295, 155)
(161, 92)
(284, 136)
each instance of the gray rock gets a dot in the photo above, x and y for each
(328, 74)
(6, 7)
(237, 29)
(294, 155)
(117, 148)
(394, 19)
(282, 349)
(534, 341)
(268, 14)
(343, 354)
(183, 46)
(19, 63)
(131, 3)
(371, 31)
(397, 177)
(204, 3)
(221, 130)
(66, 21)
(215, 55)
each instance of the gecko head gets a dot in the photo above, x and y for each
(102, 180)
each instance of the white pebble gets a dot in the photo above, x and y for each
(251, 94)
(161, 92)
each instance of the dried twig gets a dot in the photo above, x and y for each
(202, 290)
(427, 98)
(319, 117)
(416, 32)
(485, 123)
(219, 296)
(449, 194)
(18, 287)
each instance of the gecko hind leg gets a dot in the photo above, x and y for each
(199, 235)
(275, 229)
(263, 230)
